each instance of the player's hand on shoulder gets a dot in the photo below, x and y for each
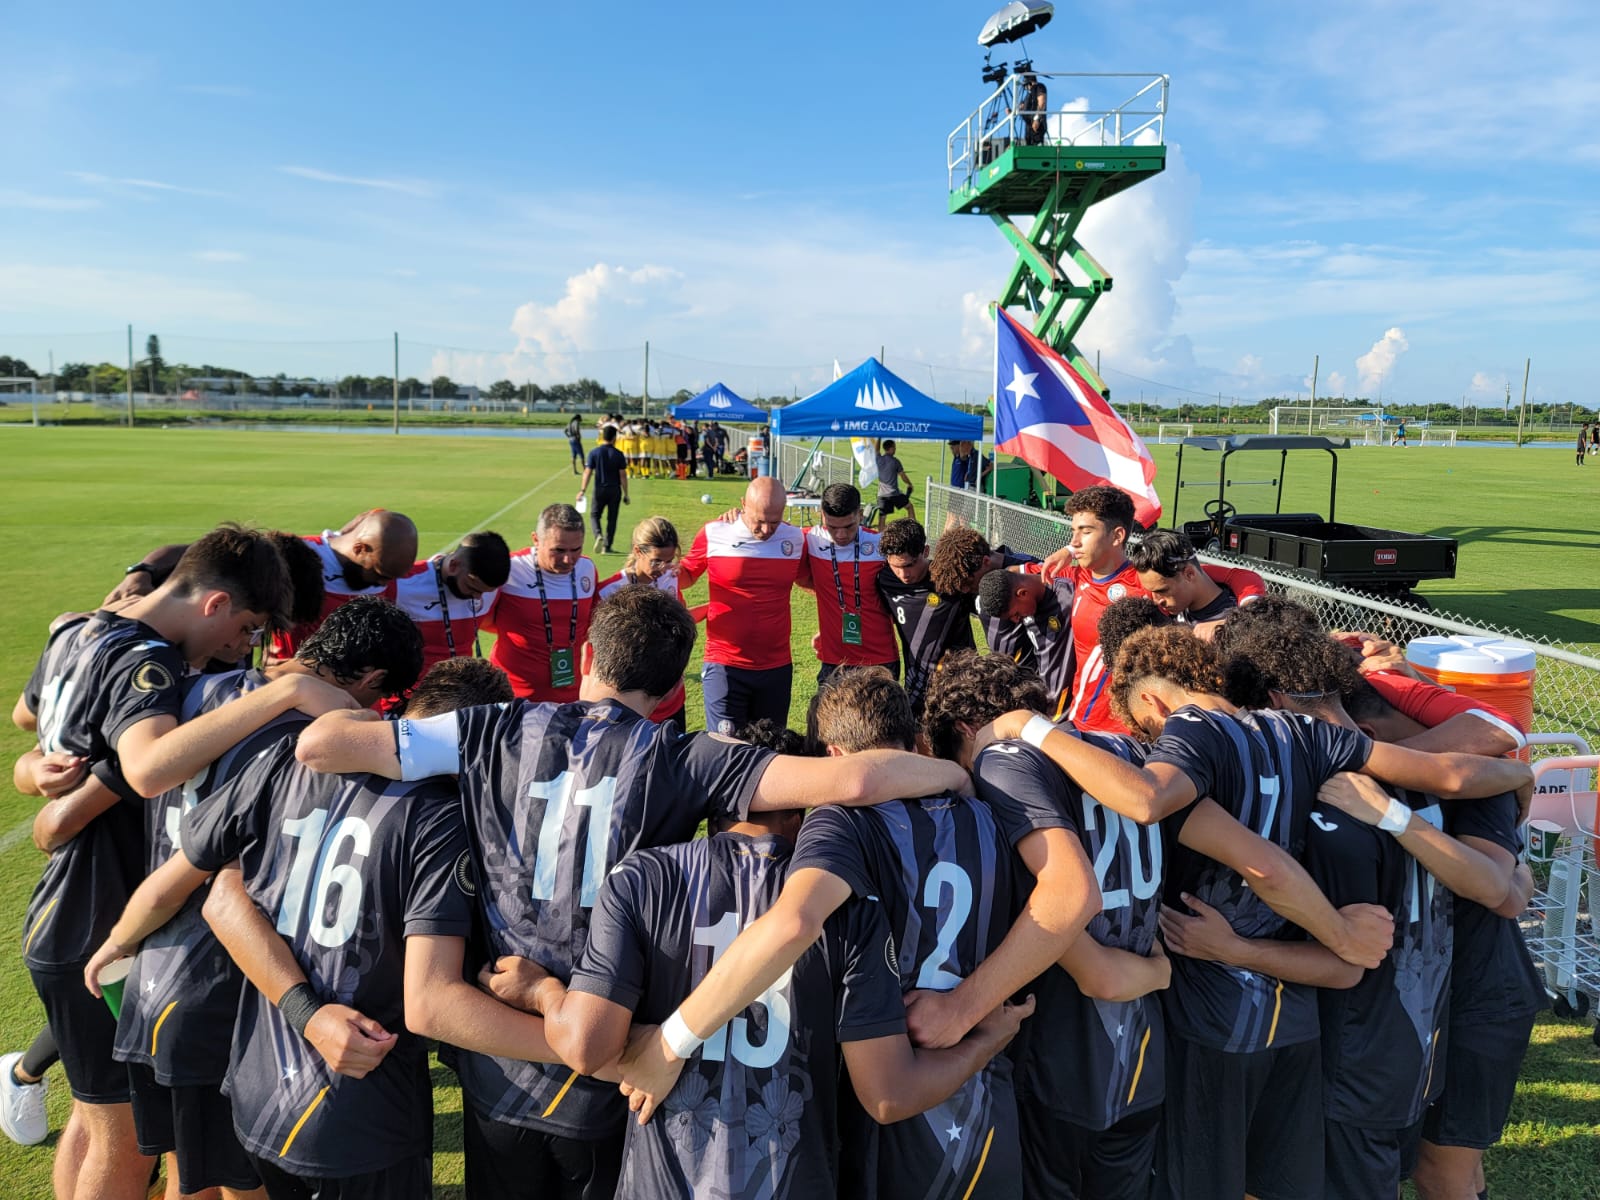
(729, 517)
(131, 588)
(514, 981)
(1357, 796)
(350, 1043)
(1057, 564)
(1203, 932)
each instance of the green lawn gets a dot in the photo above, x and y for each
(76, 505)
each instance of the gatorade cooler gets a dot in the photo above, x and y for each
(1497, 672)
(756, 452)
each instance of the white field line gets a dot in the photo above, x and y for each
(16, 834)
(484, 524)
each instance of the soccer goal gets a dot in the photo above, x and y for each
(1173, 433)
(1436, 437)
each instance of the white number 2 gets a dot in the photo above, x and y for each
(1144, 862)
(558, 795)
(190, 796)
(775, 1000)
(311, 851)
(934, 973)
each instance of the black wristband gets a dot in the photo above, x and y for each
(141, 566)
(298, 1005)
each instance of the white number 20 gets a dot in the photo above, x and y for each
(1144, 875)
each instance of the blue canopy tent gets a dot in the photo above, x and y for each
(718, 403)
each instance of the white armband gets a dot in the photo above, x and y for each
(678, 1036)
(428, 746)
(1506, 727)
(1036, 730)
(1396, 818)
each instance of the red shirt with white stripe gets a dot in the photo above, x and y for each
(747, 625)
(418, 594)
(855, 589)
(1429, 704)
(522, 647)
(335, 591)
(672, 703)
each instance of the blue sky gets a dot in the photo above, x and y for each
(534, 190)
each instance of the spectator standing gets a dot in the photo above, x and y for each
(608, 468)
(575, 441)
(890, 472)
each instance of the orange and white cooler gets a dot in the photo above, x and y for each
(1500, 673)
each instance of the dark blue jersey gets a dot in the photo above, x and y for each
(347, 867)
(929, 626)
(98, 677)
(1001, 636)
(950, 886)
(554, 796)
(1088, 1061)
(754, 1113)
(1264, 768)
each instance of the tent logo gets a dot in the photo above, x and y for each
(877, 398)
(720, 400)
(836, 426)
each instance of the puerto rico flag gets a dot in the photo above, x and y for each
(1047, 415)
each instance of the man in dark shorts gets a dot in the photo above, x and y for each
(575, 442)
(608, 469)
(890, 472)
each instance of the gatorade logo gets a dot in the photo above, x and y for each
(1385, 558)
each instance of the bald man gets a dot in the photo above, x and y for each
(365, 558)
(752, 563)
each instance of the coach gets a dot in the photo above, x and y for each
(752, 563)
(609, 470)
(448, 595)
(841, 565)
(541, 616)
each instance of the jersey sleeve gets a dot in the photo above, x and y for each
(1200, 750)
(829, 841)
(479, 732)
(722, 770)
(614, 960)
(1336, 748)
(440, 881)
(1431, 705)
(693, 564)
(867, 981)
(1024, 790)
(144, 680)
(217, 830)
(1245, 585)
(1494, 820)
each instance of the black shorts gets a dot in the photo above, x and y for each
(1064, 1161)
(508, 1162)
(1481, 1064)
(195, 1122)
(1362, 1162)
(85, 1031)
(408, 1179)
(893, 502)
(1237, 1123)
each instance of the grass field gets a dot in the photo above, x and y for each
(76, 505)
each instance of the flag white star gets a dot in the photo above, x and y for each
(1021, 385)
(953, 1134)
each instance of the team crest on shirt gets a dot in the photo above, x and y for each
(787, 547)
(933, 599)
(151, 677)
(465, 879)
(585, 584)
(868, 547)
(1116, 592)
(1054, 624)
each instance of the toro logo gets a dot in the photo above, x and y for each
(1385, 558)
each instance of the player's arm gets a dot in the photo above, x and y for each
(1467, 871)
(1207, 935)
(854, 780)
(1473, 732)
(1116, 976)
(583, 484)
(49, 774)
(352, 743)
(693, 564)
(1245, 585)
(153, 903)
(158, 754)
(1451, 776)
(895, 1080)
(1361, 934)
(1521, 890)
(1064, 898)
(63, 818)
(752, 963)
(22, 715)
(441, 1004)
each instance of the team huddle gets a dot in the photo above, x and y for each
(1169, 893)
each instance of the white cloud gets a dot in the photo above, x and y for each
(94, 179)
(1377, 364)
(218, 256)
(13, 198)
(1336, 383)
(409, 187)
(1484, 385)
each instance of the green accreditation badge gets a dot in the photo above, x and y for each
(561, 673)
(852, 629)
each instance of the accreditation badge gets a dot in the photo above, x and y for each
(852, 629)
(561, 672)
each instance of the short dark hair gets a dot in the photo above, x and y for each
(903, 537)
(887, 445)
(458, 683)
(841, 499)
(973, 689)
(642, 637)
(305, 577)
(1111, 505)
(768, 734)
(1170, 654)
(1124, 618)
(958, 559)
(994, 594)
(1164, 551)
(1284, 649)
(608, 433)
(362, 634)
(560, 516)
(861, 708)
(486, 555)
(242, 562)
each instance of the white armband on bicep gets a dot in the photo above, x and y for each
(428, 746)
(1504, 726)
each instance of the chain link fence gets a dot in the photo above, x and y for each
(802, 466)
(1566, 689)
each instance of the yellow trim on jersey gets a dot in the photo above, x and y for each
(1061, 704)
(1277, 1007)
(156, 1032)
(560, 1096)
(982, 1158)
(1138, 1069)
(34, 932)
(304, 1117)
(1433, 1049)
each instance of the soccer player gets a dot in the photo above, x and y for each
(553, 796)
(950, 883)
(853, 625)
(1242, 1044)
(928, 624)
(609, 470)
(891, 499)
(961, 558)
(370, 885)
(541, 615)
(182, 995)
(653, 562)
(448, 595)
(107, 689)
(1169, 571)
(756, 1115)
(365, 558)
(1042, 611)
(752, 564)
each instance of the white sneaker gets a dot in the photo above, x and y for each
(22, 1114)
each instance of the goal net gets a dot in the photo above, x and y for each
(1173, 433)
(1436, 437)
(1347, 422)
